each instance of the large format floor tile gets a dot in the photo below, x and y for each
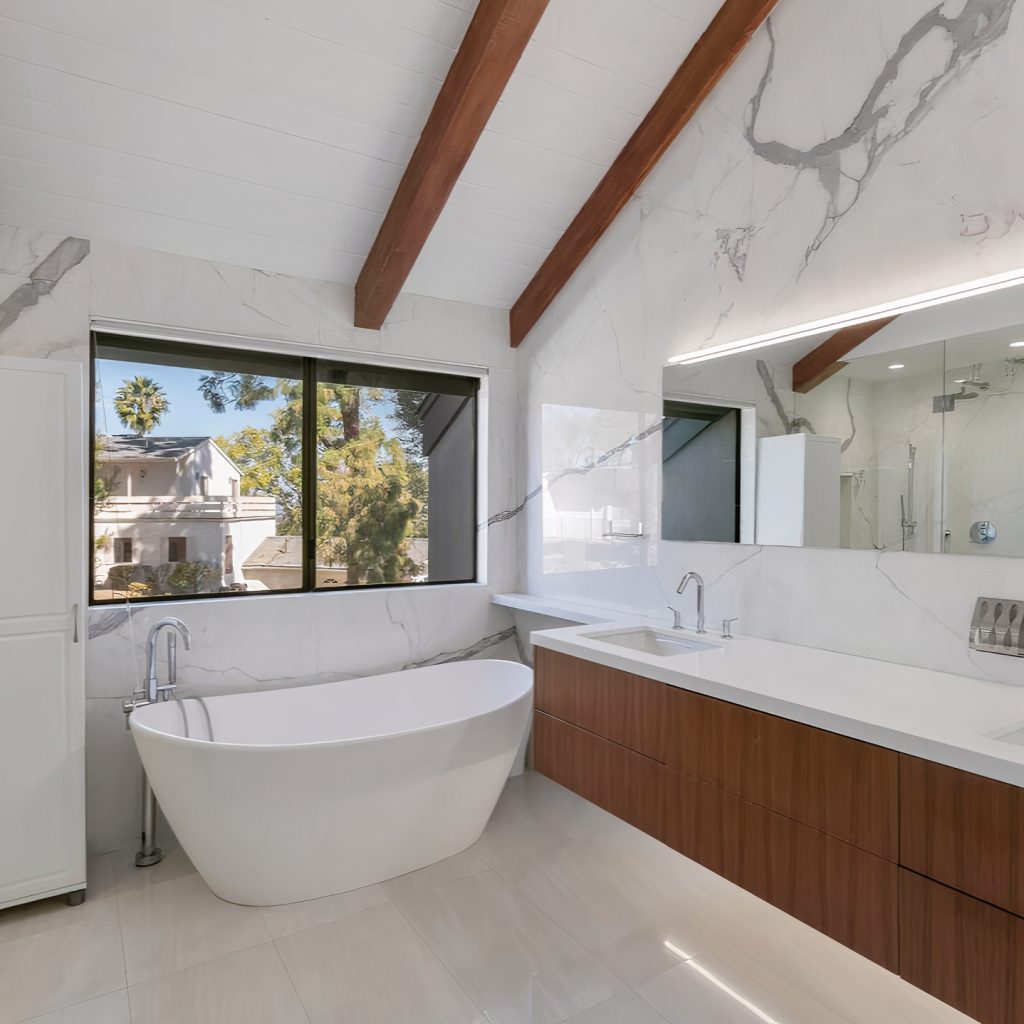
(561, 913)
(372, 968)
(251, 987)
(512, 959)
(109, 1009)
(683, 996)
(179, 923)
(74, 955)
(596, 895)
(627, 1008)
(469, 862)
(295, 917)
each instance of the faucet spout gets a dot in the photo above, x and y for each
(699, 580)
(152, 687)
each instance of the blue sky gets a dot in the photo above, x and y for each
(188, 414)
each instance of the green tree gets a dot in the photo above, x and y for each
(140, 404)
(368, 489)
(269, 469)
(365, 510)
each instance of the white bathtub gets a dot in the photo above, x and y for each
(287, 795)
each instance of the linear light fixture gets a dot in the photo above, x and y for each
(719, 984)
(938, 297)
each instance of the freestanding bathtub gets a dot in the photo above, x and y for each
(287, 795)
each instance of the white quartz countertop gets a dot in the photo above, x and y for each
(935, 715)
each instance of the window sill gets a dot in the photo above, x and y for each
(190, 601)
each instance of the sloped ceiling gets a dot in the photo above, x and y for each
(273, 133)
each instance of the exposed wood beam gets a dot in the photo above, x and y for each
(826, 360)
(713, 54)
(489, 53)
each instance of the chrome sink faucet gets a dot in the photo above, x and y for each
(683, 584)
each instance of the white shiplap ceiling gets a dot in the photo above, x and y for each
(273, 133)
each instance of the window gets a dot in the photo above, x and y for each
(700, 453)
(211, 462)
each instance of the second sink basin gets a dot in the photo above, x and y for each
(652, 641)
(1014, 734)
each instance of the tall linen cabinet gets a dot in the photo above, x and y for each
(42, 629)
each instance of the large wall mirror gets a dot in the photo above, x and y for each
(904, 434)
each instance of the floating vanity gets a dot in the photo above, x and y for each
(879, 803)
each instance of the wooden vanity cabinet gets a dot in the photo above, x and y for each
(806, 820)
(841, 786)
(918, 866)
(622, 781)
(845, 892)
(964, 831)
(961, 950)
(622, 707)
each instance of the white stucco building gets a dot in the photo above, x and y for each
(172, 500)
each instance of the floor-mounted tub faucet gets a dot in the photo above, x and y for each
(683, 584)
(149, 693)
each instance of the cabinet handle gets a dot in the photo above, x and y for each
(74, 627)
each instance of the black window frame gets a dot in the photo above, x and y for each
(313, 369)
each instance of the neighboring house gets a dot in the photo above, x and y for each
(277, 563)
(175, 499)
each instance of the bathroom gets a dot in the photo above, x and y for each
(175, 205)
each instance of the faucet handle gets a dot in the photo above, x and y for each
(727, 627)
(677, 618)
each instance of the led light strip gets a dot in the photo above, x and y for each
(981, 286)
(719, 984)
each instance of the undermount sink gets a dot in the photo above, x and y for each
(1014, 734)
(652, 641)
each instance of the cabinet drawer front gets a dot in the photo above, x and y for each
(624, 708)
(624, 783)
(962, 951)
(838, 785)
(963, 830)
(845, 892)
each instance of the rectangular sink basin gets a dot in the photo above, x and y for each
(652, 641)
(1014, 734)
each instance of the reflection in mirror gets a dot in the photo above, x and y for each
(905, 435)
(700, 472)
(596, 464)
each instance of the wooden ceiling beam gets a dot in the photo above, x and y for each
(826, 360)
(713, 54)
(489, 53)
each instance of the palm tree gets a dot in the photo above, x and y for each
(140, 404)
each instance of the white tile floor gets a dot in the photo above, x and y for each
(559, 913)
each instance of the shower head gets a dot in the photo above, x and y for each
(974, 381)
(947, 403)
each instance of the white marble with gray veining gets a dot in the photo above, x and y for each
(50, 287)
(896, 173)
